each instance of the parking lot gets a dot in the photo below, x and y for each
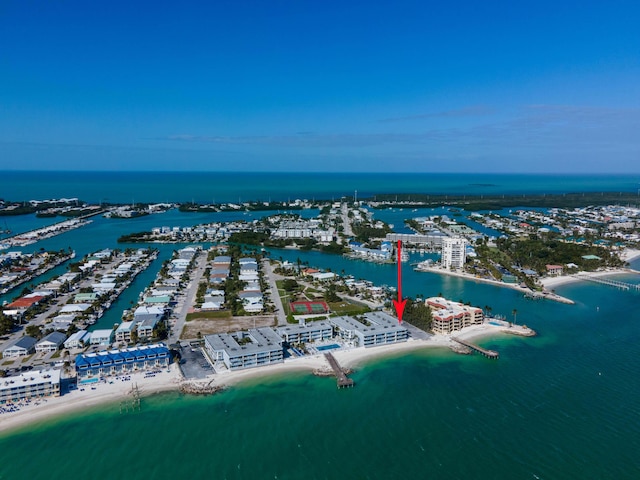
(193, 364)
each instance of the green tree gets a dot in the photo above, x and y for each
(33, 331)
(417, 314)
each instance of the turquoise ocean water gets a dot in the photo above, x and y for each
(562, 405)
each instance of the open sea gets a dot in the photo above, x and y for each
(562, 405)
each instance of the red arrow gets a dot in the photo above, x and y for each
(400, 303)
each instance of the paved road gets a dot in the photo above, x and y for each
(187, 298)
(346, 221)
(275, 296)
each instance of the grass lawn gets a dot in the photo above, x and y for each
(208, 315)
(345, 307)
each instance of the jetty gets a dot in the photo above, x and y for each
(132, 403)
(487, 353)
(632, 287)
(343, 380)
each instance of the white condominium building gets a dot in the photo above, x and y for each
(453, 252)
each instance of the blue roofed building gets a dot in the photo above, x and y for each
(121, 362)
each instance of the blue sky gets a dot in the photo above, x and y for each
(423, 86)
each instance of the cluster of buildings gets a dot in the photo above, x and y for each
(251, 295)
(449, 317)
(611, 223)
(90, 366)
(382, 254)
(265, 346)
(17, 267)
(302, 228)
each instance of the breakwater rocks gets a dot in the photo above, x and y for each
(193, 388)
(461, 349)
(521, 331)
(328, 372)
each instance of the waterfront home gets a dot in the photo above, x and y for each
(75, 308)
(85, 297)
(146, 327)
(20, 347)
(157, 300)
(51, 342)
(61, 322)
(554, 270)
(148, 312)
(124, 331)
(77, 339)
(102, 337)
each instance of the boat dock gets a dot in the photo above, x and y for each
(343, 380)
(487, 353)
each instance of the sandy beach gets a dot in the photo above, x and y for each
(115, 390)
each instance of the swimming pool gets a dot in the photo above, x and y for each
(327, 347)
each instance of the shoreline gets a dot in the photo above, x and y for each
(627, 255)
(47, 409)
(512, 286)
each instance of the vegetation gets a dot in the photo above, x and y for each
(364, 233)
(208, 315)
(536, 252)
(497, 202)
(417, 314)
(334, 248)
(7, 324)
(345, 307)
(249, 238)
(133, 237)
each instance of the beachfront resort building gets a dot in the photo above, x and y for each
(449, 317)
(255, 348)
(124, 361)
(305, 333)
(28, 385)
(453, 253)
(376, 328)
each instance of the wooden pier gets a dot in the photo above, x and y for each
(612, 283)
(487, 353)
(343, 380)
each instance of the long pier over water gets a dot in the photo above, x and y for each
(612, 283)
(343, 380)
(487, 353)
